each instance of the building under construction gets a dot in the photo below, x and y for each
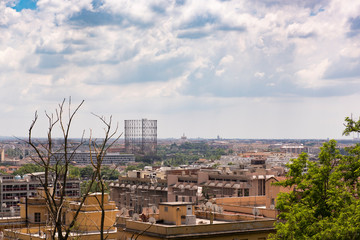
(141, 136)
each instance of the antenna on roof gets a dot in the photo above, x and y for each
(152, 220)
(208, 205)
(214, 208)
(220, 209)
(135, 217)
(123, 211)
(256, 211)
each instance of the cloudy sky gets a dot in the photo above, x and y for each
(238, 69)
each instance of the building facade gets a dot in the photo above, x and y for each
(13, 188)
(85, 158)
(205, 184)
(34, 212)
(138, 193)
(180, 221)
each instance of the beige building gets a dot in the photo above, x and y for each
(178, 221)
(137, 192)
(34, 219)
(206, 184)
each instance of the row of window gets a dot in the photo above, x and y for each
(227, 180)
(182, 199)
(14, 195)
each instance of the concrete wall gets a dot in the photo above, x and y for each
(246, 205)
(242, 201)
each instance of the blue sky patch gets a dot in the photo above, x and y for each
(25, 4)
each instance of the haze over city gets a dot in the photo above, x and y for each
(238, 69)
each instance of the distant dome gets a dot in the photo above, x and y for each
(17, 177)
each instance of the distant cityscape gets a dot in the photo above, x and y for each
(218, 184)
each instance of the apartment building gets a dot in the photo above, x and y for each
(12, 188)
(206, 184)
(138, 192)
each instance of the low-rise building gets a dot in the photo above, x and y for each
(138, 192)
(85, 158)
(206, 184)
(35, 215)
(178, 220)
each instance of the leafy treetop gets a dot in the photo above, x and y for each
(324, 202)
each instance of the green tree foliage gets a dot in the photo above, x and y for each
(140, 166)
(28, 168)
(324, 202)
(86, 172)
(130, 168)
(187, 153)
(351, 126)
(86, 185)
(108, 173)
(74, 172)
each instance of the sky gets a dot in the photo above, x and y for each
(236, 68)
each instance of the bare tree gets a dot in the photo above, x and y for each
(56, 168)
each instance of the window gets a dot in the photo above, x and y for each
(37, 217)
(190, 199)
(183, 199)
(176, 198)
(246, 192)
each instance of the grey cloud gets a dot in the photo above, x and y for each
(201, 21)
(119, 56)
(245, 85)
(343, 68)
(193, 34)
(300, 3)
(100, 17)
(180, 2)
(355, 23)
(97, 3)
(354, 27)
(302, 35)
(343, 89)
(158, 9)
(144, 71)
(51, 61)
(92, 18)
(67, 50)
(231, 28)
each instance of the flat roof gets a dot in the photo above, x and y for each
(176, 203)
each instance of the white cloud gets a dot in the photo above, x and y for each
(162, 57)
(312, 77)
(259, 74)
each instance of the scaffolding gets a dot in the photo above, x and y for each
(141, 136)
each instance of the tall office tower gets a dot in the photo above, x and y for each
(141, 136)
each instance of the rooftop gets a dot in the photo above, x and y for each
(176, 203)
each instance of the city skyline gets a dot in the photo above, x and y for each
(238, 69)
